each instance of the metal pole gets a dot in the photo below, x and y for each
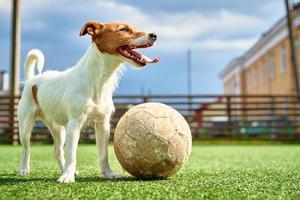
(189, 79)
(189, 76)
(15, 62)
(292, 44)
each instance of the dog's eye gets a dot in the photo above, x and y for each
(125, 29)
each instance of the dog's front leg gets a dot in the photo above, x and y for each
(102, 132)
(72, 138)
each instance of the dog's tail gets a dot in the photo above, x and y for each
(34, 58)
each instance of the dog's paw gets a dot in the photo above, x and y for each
(112, 176)
(67, 178)
(23, 172)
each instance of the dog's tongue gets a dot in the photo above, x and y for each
(145, 59)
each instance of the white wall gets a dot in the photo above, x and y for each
(4, 81)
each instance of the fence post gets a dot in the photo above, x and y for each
(228, 112)
(13, 120)
(15, 62)
(145, 99)
(273, 108)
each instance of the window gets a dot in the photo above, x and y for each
(264, 71)
(256, 75)
(272, 67)
(297, 45)
(235, 85)
(297, 49)
(248, 80)
(283, 59)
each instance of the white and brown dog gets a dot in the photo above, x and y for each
(65, 101)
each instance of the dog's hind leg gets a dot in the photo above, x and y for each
(72, 138)
(26, 123)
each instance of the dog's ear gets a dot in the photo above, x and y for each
(92, 28)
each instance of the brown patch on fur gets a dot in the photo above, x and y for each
(110, 36)
(34, 91)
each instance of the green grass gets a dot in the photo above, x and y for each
(213, 172)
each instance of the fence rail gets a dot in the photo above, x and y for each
(240, 117)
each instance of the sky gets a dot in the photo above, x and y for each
(215, 31)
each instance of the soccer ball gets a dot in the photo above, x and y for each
(152, 140)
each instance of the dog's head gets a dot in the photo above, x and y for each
(120, 39)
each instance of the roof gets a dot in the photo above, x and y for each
(230, 66)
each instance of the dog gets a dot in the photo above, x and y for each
(65, 101)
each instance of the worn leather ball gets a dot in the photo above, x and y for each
(152, 140)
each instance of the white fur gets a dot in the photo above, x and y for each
(34, 58)
(145, 39)
(66, 101)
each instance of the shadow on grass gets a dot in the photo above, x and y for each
(13, 179)
(123, 179)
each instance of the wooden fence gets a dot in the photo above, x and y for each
(238, 117)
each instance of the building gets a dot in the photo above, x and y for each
(4, 82)
(266, 67)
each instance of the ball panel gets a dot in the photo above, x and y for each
(181, 125)
(137, 120)
(164, 128)
(120, 128)
(177, 149)
(155, 109)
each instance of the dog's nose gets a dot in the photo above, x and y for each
(153, 36)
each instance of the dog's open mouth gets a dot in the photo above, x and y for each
(127, 51)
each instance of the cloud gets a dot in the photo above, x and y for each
(207, 44)
(182, 25)
(189, 29)
(237, 44)
(33, 25)
(5, 6)
(273, 7)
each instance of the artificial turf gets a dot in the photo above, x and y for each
(212, 172)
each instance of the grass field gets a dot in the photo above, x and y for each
(213, 172)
